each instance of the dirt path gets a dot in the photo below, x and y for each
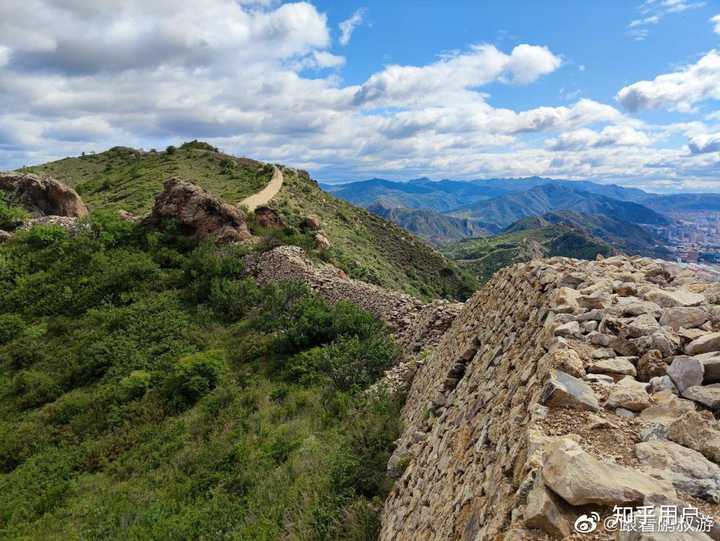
(264, 196)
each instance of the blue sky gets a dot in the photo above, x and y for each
(612, 91)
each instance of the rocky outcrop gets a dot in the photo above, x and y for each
(556, 388)
(198, 212)
(416, 325)
(42, 196)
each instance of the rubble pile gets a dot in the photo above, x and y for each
(563, 388)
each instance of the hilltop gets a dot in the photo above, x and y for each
(364, 245)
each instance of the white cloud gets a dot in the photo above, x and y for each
(678, 91)
(83, 75)
(716, 20)
(653, 12)
(704, 143)
(455, 75)
(347, 27)
(584, 138)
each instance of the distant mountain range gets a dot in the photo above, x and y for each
(487, 224)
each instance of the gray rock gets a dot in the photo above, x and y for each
(688, 470)
(581, 479)
(602, 353)
(708, 395)
(618, 365)
(711, 364)
(705, 344)
(564, 390)
(686, 372)
(684, 316)
(662, 383)
(697, 432)
(643, 325)
(568, 330)
(622, 412)
(670, 299)
(628, 394)
(599, 378)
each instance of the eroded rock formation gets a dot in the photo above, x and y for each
(200, 213)
(42, 196)
(563, 387)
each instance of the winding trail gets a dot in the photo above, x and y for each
(264, 196)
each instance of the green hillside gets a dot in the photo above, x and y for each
(432, 226)
(485, 256)
(127, 179)
(365, 245)
(148, 391)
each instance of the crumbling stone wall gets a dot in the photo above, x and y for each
(416, 325)
(563, 386)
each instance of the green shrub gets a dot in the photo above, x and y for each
(11, 217)
(353, 364)
(193, 377)
(135, 385)
(34, 388)
(11, 326)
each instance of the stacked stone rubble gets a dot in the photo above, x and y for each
(563, 386)
(416, 325)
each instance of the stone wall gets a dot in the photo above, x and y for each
(416, 325)
(563, 386)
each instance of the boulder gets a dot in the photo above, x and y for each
(642, 325)
(711, 365)
(684, 316)
(666, 408)
(581, 479)
(4, 236)
(708, 395)
(42, 196)
(199, 213)
(321, 242)
(568, 361)
(705, 344)
(688, 470)
(311, 223)
(268, 218)
(671, 299)
(629, 394)
(568, 330)
(686, 372)
(662, 383)
(651, 365)
(620, 366)
(566, 391)
(697, 432)
(546, 512)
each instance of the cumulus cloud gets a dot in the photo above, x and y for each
(716, 20)
(677, 91)
(347, 27)
(82, 75)
(455, 74)
(584, 138)
(704, 143)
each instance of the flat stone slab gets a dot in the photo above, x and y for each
(617, 365)
(707, 395)
(564, 390)
(705, 344)
(711, 364)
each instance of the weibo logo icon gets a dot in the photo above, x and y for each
(587, 523)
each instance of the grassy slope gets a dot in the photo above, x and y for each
(371, 248)
(485, 256)
(127, 179)
(366, 246)
(149, 392)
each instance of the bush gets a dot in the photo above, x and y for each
(233, 299)
(193, 377)
(353, 364)
(11, 217)
(35, 388)
(171, 149)
(135, 385)
(11, 326)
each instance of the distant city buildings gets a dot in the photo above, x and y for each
(694, 237)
